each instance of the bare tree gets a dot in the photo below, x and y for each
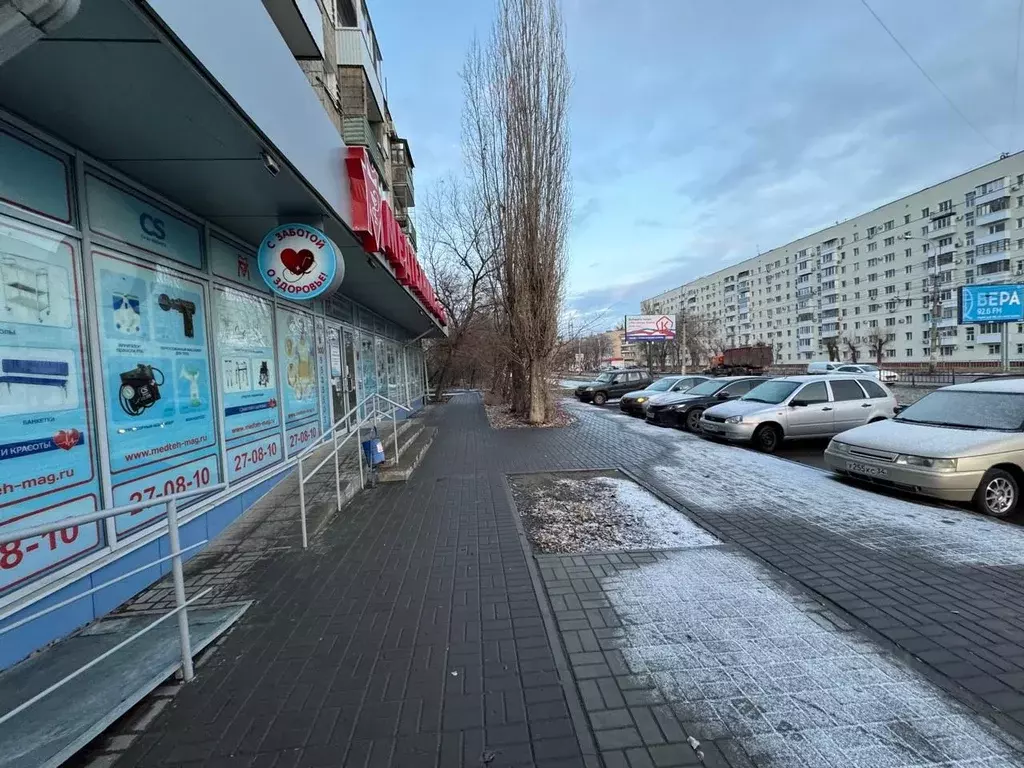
(517, 144)
(460, 260)
(876, 342)
(852, 347)
(832, 346)
(698, 335)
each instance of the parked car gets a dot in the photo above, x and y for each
(799, 407)
(613, 384)
(822, 366)
(888, 377)
(960, 443)
(635, 403)
(686, 409)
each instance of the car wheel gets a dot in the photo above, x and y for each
(767, 438)
(692, 420)
(997, 494)
(600, 398)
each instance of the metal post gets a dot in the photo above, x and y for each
(1005, 347)
(359, 454)
(187, 672)
(302, 506)
(337, 471)
(394, 426)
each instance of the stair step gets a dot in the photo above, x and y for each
(410, 458)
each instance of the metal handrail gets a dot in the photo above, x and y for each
(178, 610)
(333, 428)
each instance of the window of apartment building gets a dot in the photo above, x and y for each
(873, 293)
(906, 286)
(890, 273)
(890, 289)
(856, 281)
(872, 277)
(969, 199)
(856, 236)
(889, 242)
(988, 328)
(872, 323)
(906, 218)
(969, 219)
(991, 186)
(994, 268)
(909, 353)
(856, 311)
(994, 349)
(969, 276)
(908, 252)
(889, 225)
(969, 333)
(872, 231)
(909, 335)
(873, 262)
(872, 247)
(945, 205)
(997, 227)
(926, 317)
(925, 212)
(890, 321)
(908, 269)
(890, 258)
(1020, 327)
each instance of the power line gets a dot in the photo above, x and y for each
(928, 77)
(1016, 78)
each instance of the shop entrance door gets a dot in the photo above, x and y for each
(337, 366)
(349, 360)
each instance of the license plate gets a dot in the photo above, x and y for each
(867, 469)
(711, 427)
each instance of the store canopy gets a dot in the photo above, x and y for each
(188, 98)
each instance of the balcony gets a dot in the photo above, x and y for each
(994, 237)
(301, 25)
(991, 218)
(990, 258)
(356, 50)
(948, 322)
(357, 131)
(829, 333)
(805, 332)
(945, 231)
(946, 250)
(401, 173)
(990, 338)
(995, 194)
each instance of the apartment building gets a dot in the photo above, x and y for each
(153, 155)
(890, 274)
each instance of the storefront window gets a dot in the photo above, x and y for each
(160, 421)
(48, 467)
(296, 354)
(323, 376)
(33, 179)
(393, 370)
(382, 370)
(248, 375)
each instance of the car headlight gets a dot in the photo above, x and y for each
(925, 461)
(734, 420)
(588, 389)
(840, 447)
(641, 399)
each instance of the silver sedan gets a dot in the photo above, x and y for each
(962, 443)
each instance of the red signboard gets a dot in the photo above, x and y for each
(379, 231)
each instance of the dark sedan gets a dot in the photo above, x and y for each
(635, 403)
(686, 409)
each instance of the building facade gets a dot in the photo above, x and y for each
(886, 280)
(147, 149)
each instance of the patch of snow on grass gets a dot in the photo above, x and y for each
(739, 657)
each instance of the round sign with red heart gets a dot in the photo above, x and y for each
(300, 262)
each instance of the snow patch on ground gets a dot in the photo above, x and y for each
(723, 478)
(737, 655)
(600, 511)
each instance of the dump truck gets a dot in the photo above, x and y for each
(740, 361)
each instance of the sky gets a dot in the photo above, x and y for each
(705, 131)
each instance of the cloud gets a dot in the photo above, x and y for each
(590, 208)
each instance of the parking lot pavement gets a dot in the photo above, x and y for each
(945, 585)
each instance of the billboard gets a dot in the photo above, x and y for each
(650, 327)
(991, 303)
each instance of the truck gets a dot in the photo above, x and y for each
(741, 361)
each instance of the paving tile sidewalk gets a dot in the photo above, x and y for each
(409, 635)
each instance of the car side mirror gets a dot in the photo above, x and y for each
(724, 396)
(898, 410)
(798, 403)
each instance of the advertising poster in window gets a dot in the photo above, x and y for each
(296, 354)
(47, 445)
(245, 345)
(160, 420)
(322, 376)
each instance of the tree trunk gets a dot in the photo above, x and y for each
(538, 393)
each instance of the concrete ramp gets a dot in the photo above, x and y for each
(55, 728)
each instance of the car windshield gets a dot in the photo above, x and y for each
(965, 409)
(663, 385)
(771, 392)
(869, 367)
(708, 387)
(605, 377)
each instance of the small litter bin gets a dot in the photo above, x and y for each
(373, 450)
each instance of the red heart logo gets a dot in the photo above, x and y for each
(299, 262)
(272, 403)
(67, 438)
